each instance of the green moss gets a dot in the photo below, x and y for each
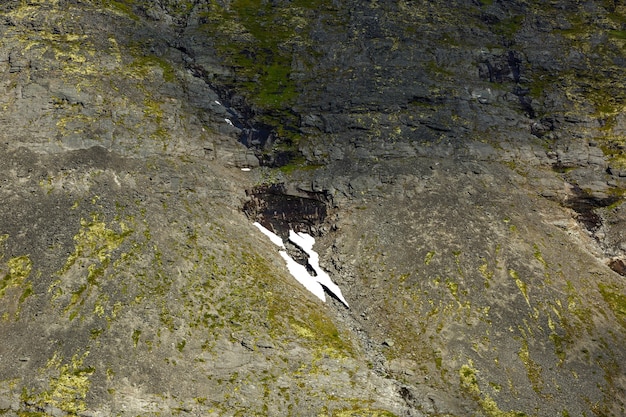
(136, 336)
(259, 40)
(121, 7)
(277, 89)
(559, 348)
(142, 65)
(437, 70)
(617, 34)
(613, 148)
(298, 164)
(509, 27)
(256, 38)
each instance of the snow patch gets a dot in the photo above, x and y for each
(315, 284)
(229, 122)
(301, 275)
(306, 242)
(273, 236)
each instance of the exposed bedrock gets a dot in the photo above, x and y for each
(460, 165)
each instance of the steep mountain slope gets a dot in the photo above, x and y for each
(460, 165)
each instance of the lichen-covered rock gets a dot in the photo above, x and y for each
(460, 163)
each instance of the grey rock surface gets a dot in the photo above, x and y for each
(460, 164)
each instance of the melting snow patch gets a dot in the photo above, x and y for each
(314, 284)
(273, 236)
(300, 273)
(306, 242)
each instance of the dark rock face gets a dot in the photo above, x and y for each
(279, 211)
(460, 164)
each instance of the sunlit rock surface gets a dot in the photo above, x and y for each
(459, 164)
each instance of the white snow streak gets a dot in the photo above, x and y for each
(300, 273)
(273, 236)
(306, 242)
(314, 284)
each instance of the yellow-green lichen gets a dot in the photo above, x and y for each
(94, 245)
(577, 306)
(468, 380)
(616, 299)
(557, 340)
(19, 268)
(3, 239)
(538, 256)
(533, 369)
(453, 287)
(469, 384)
(14, 284)
(520, 284)
(362, 412)
(303, 331)
(429, 257)
(486, 273)
(68, 385)
(96, 241)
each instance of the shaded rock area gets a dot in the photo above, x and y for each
(460, 164)
(272, 206)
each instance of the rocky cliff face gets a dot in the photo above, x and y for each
(460, 164)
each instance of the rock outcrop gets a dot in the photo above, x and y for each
(461, 165)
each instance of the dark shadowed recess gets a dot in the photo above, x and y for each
(280, 211)
(256, 135)
(585, 205)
